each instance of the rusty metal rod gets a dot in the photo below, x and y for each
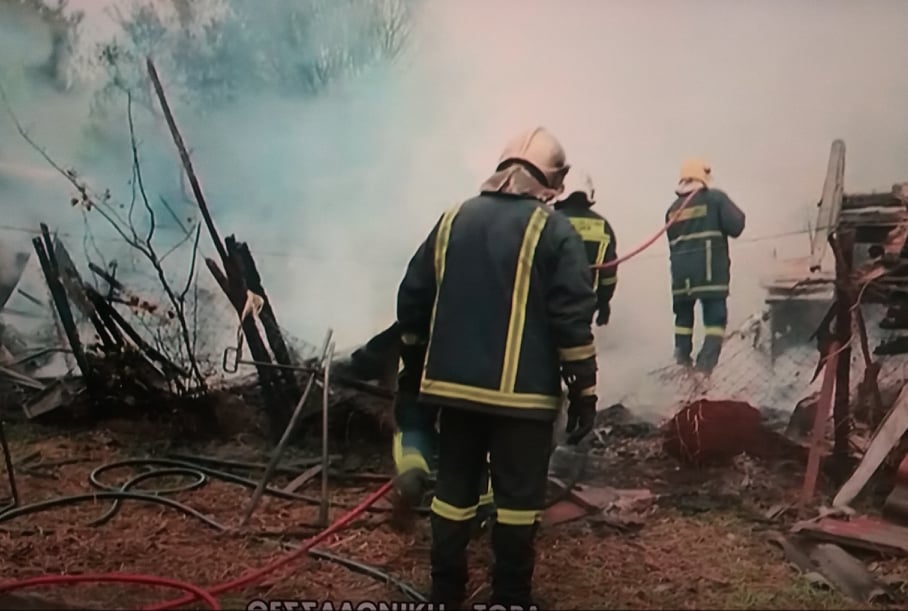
(279, 450)
(233, 366)
(11, 476)
(326, 387)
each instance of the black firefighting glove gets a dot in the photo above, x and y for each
(605, 313)
(581, 417)
(580, 377)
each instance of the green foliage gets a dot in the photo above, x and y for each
(291, 47)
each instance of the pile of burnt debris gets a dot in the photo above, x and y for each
(115, 367)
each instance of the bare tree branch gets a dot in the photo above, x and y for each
(125, 229)
(177, 303)
(192, 264)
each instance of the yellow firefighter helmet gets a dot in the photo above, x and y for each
(696, 169)
(578, 181)
(540, 149)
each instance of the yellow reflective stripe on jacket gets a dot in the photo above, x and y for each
(456, 514)
(591, 230)
(486, 499)
(715, 330)
(518, 517)
(600, 255)
(441, 250)
(696, 236)
(519, 297)
(700, 289)
(691, 212)
(611, 280)
(684, 331)
(709, 260)
(451, 390)
(406, 459)
(577, 353)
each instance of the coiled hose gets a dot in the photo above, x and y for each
(200, 476)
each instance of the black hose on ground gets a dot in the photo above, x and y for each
(61, 501)
(201, 475)
(370, 571)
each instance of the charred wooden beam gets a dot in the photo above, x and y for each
(269, 320)
(75, 290)
(44, 248)
(107, 339)
(187, 163)
(898, 345)
(106, 277)
(846, 297)
(278, 410)
(870, 400)
(111, 326)
(111, 313)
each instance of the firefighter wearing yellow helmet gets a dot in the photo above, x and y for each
(576, 203)
(700, 264)
(495, 309)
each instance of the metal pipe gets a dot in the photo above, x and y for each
(323, 508)
(279, 450)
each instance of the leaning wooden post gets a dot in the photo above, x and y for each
(846, 298)
(44, 248)
(821, 417)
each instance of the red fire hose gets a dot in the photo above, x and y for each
(194, 592)
(653, 239)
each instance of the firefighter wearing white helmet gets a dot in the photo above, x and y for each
(576, 202)
(700, 265)
(494, 371)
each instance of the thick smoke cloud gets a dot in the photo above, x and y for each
(334, 192)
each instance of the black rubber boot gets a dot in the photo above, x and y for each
(449, 561)
(709, 354)
(515, 560)
(683, 358)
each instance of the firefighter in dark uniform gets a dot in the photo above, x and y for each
(495, 309)
(576, 203)
(700, 265)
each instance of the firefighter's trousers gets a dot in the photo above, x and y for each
(416, 443)
(519, 451)
(715, 319)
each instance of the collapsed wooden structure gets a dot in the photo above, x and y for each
(859, 257)
(119, 363)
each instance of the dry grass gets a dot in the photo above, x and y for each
(715, 559)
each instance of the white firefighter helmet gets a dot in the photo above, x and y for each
(697, 170)
(540, 149)
(578, 181)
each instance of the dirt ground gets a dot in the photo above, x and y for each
(704, 545)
